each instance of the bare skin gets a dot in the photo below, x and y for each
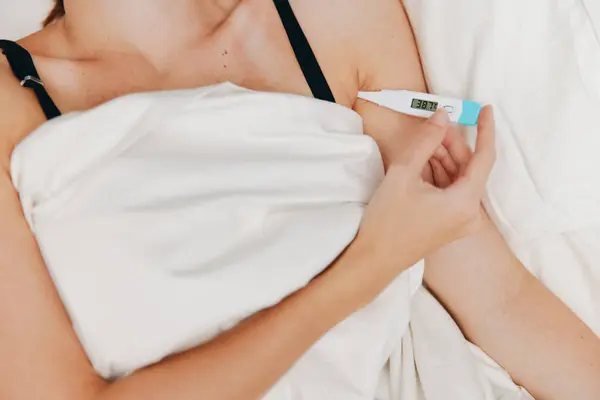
(96, 54)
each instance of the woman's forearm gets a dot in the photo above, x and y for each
(245, 362)
(545, 347)
(505, 310)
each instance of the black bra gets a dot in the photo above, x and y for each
(24, 69)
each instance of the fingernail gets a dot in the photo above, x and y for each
(440, 118)
(441, 152)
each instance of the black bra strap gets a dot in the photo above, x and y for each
(24, 69)
(304, 54)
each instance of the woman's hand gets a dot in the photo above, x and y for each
(450, 159)
(408, 217)
(501, 307)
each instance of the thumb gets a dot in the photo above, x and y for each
(427, 139)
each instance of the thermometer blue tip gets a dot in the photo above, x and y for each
(470, 113)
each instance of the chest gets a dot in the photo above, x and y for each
(252, 51)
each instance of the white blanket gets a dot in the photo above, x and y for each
(166, 218)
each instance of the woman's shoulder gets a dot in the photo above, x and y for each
(358, 20)
(375, 36)
(343, 11)
(20, 113)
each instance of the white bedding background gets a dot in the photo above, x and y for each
(19, 18)
(538, 62)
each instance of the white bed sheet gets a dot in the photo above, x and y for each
(538, 62)
(22, 17)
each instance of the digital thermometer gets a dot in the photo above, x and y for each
(425, 105)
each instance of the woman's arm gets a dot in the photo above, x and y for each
(499, 305)
(505, 310)
(41, 357)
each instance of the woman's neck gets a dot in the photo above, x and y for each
(153, 29)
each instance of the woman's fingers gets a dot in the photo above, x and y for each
(440, 175)
(426, 141)
(442, 155)
(458, 149)
(427, 175)
(479, 168)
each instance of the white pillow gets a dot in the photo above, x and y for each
(20, 18)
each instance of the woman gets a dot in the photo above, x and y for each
(92, 52)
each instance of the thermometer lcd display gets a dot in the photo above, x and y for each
(424, 105)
